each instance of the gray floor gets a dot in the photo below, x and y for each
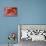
(7, 45)
(30, 43)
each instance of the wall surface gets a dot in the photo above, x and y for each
(29, 12)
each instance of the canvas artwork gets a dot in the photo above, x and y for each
(10, 11)
(32, 32)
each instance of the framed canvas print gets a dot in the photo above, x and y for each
(10, 11)
(32, 32)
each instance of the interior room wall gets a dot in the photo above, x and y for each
(29, 12)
